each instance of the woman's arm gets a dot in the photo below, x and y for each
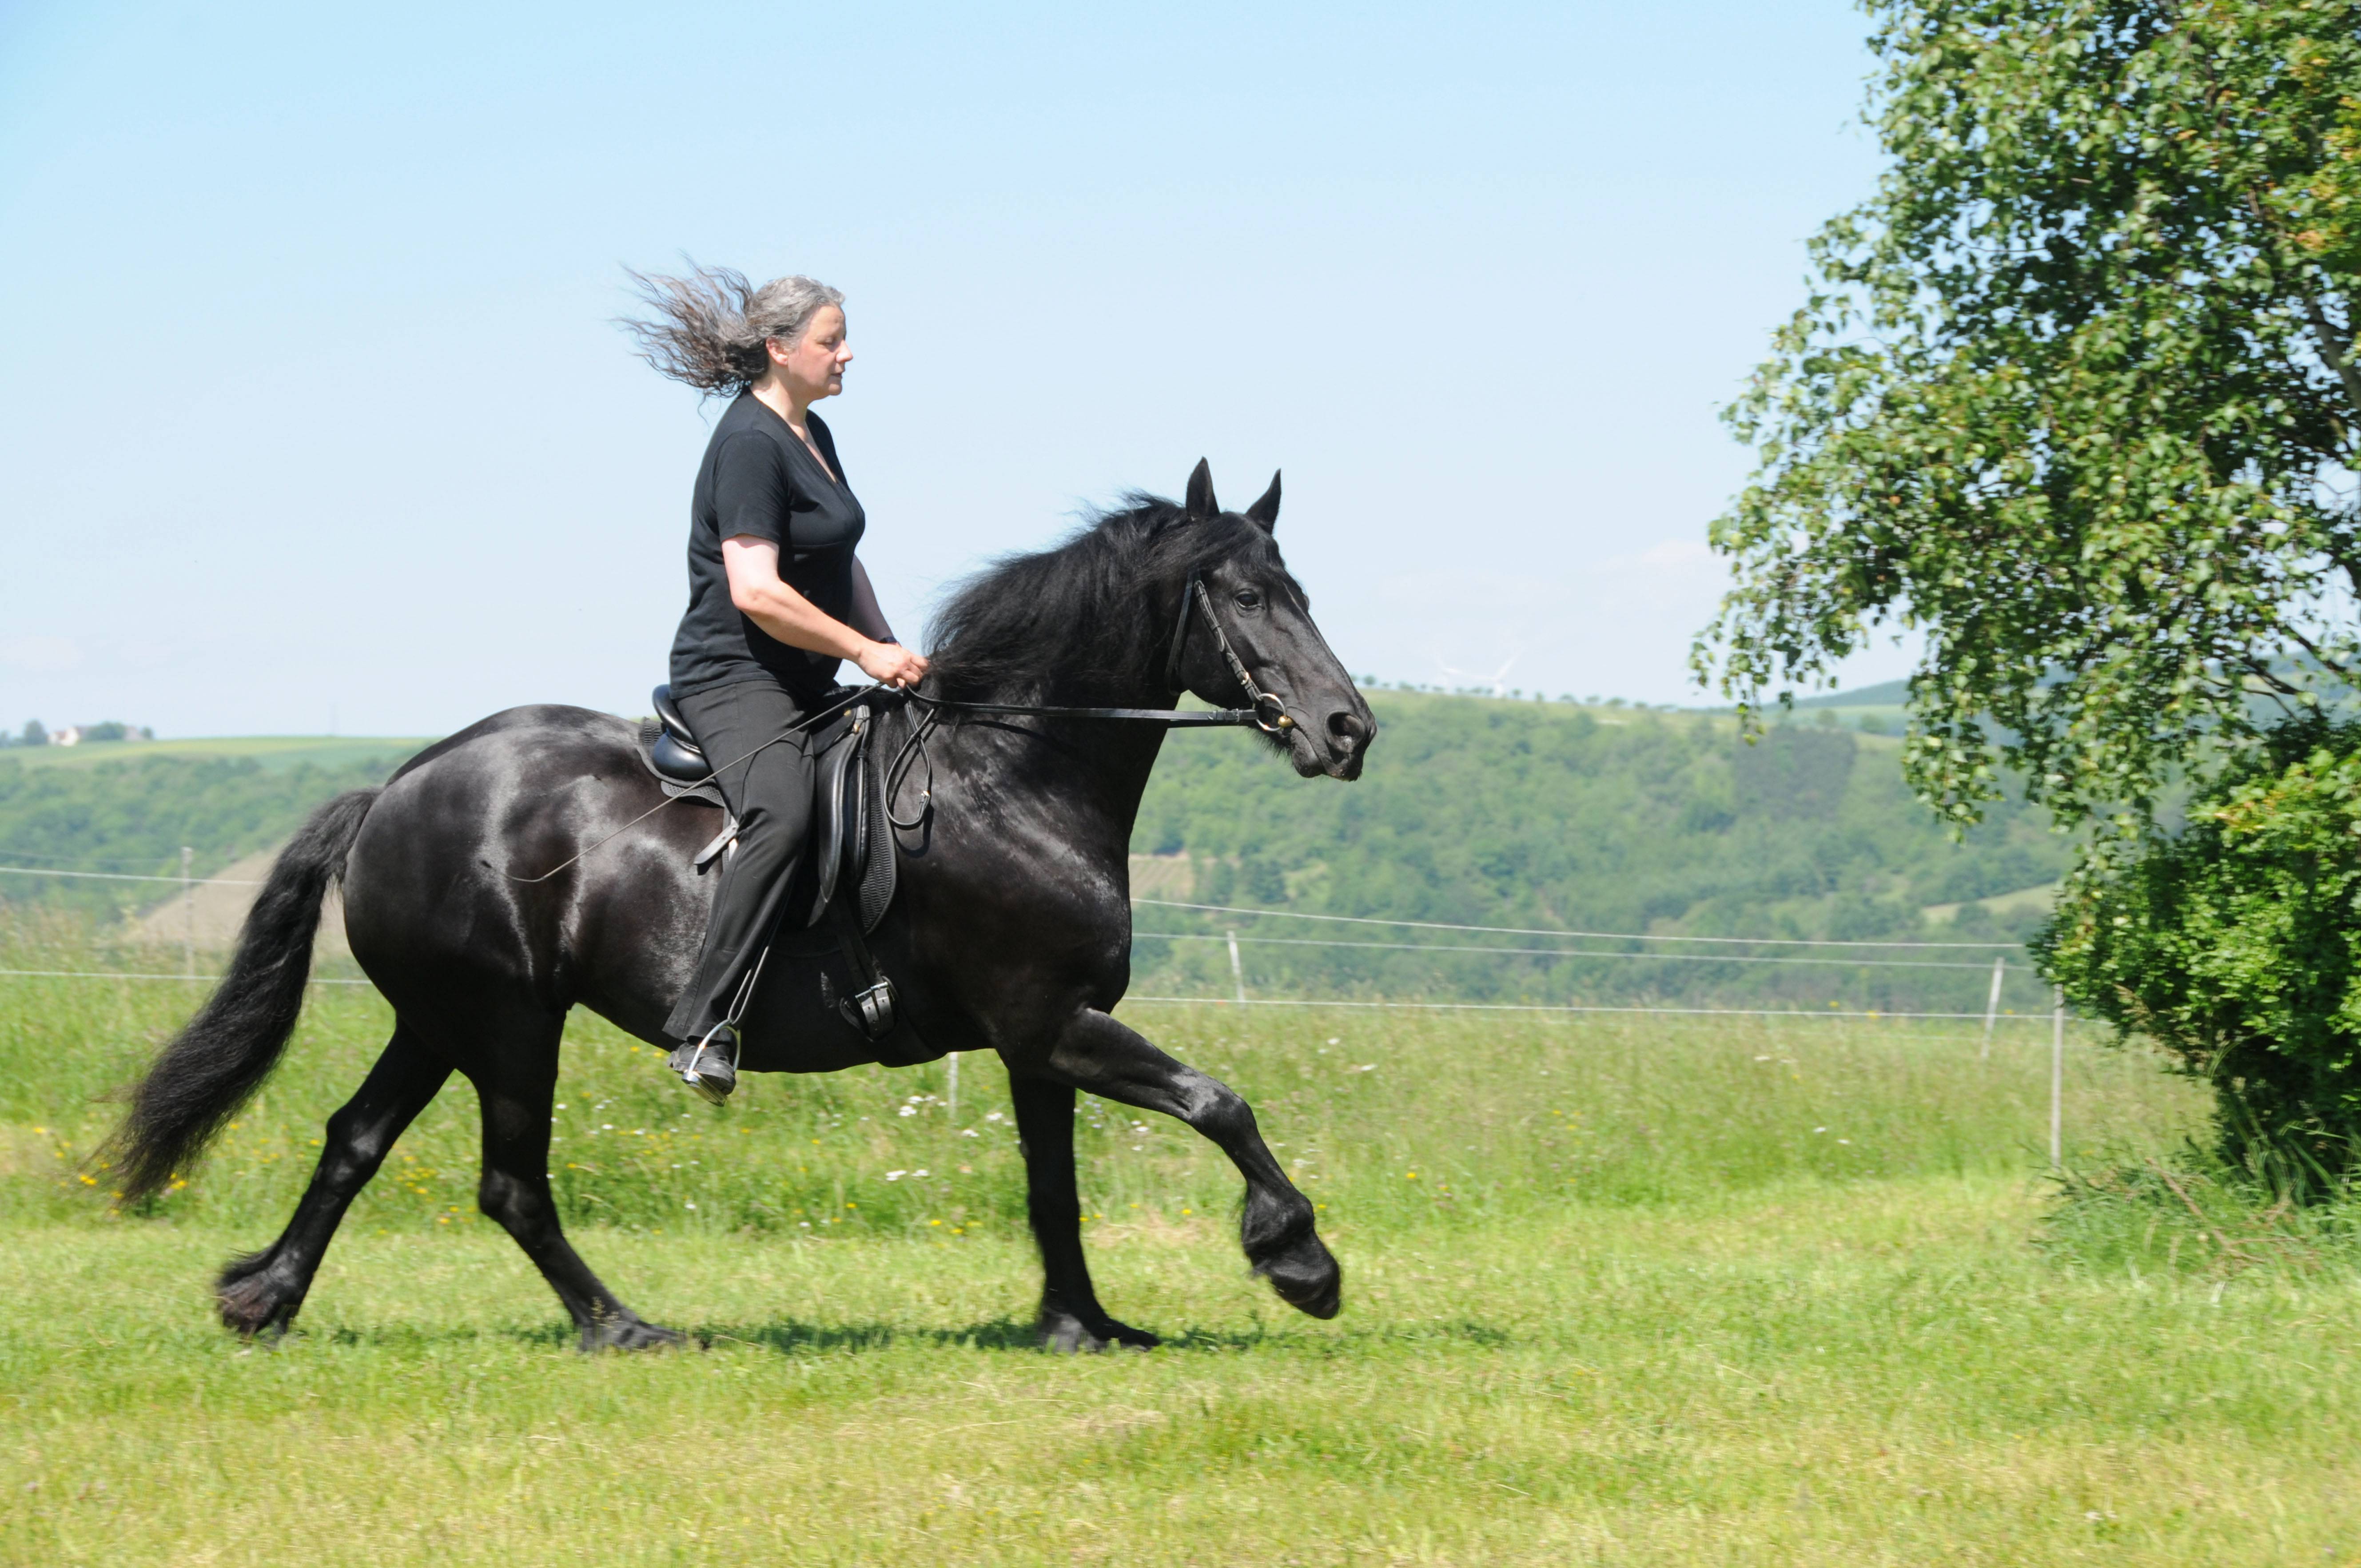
(868, 617)
(763, 598)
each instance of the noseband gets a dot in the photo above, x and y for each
(1270, 714)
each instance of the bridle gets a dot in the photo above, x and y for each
(1268, 714)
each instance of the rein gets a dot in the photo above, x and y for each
(1267, 714)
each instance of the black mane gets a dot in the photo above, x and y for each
(1090, 617)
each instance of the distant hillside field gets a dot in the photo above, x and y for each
(1474, 811)
(129, 807)
(1558, 817)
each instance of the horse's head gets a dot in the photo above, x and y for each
(1239, 593)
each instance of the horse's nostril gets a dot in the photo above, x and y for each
(1348, 729)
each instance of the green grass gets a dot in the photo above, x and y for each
(1661, 1292)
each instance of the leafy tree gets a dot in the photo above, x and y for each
(2234, 946)
(2074, 395)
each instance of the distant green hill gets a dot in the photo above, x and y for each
(128, 808)
(1474, 811)
(1558, 817)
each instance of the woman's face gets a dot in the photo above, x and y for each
(813, 368)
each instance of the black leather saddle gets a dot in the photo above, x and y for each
(852, 848)
(845, 880)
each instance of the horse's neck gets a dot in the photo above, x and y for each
(1085, 775)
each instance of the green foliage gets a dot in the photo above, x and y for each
(1534, 814)
(134, 816)
(2235, 946)
(2075, 395)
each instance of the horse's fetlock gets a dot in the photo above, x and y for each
(1274, 1224)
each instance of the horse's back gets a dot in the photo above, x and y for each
(509, 851)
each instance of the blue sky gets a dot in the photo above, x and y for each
(313, 415)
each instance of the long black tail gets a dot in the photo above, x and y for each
(229, 1048)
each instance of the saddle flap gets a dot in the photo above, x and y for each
(838, 797)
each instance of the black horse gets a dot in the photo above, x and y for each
(1011, 929)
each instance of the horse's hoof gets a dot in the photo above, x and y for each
(1307, 1277)
(254, 1306)
(1069, 1334)
(630, 1333)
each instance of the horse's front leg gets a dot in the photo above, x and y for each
(1072, 1318)
(1096, 1053)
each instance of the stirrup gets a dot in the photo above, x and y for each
(707, 1088)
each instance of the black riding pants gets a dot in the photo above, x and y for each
(771, 794)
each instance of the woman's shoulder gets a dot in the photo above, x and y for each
(739, 436)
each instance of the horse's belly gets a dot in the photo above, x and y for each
(792, 1025)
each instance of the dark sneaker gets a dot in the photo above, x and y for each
(709, 1066)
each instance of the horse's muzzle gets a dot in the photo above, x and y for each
(1349, 735)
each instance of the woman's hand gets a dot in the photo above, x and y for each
(892, 663)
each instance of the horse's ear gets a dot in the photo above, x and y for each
(1264, 512)
(1200, 502)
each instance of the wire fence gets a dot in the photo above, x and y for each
(1566, 971)
(1541, 931)
(1856, 954)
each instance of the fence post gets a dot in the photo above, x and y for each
(953, 1071)
(1992, 1003)
(1237, 970)
(2057, 1080)
(188, 912)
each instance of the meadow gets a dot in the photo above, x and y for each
(1628, 1290)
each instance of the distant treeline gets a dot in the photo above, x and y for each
(35, 734)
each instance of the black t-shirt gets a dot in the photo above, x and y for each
(758, 479)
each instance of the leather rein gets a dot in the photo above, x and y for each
(1267, 714)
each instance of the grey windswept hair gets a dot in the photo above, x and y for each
(709, 326)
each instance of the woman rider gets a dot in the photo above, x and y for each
(776, 599)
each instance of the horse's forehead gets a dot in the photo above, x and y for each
(1257, 552)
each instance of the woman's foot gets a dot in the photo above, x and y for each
(709, 1066)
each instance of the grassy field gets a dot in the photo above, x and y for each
(1620, 1292)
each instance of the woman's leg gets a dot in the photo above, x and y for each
(771, 794)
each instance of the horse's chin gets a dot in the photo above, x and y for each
(1311, 762)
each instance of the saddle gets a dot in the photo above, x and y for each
(846, 878)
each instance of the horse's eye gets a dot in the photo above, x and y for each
(1249, 599)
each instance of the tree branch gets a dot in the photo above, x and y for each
(2323, 337)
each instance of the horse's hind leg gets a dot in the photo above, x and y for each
(261, 1293)
(1072, 1318)
(516, 1088)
